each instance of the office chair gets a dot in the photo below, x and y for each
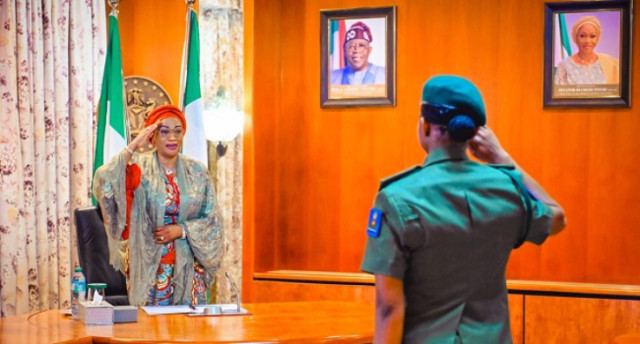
(93, 253)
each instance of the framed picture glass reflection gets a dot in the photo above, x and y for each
(358, 57)
(587, 53)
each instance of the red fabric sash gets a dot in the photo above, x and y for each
(170, 257)
(132, 180)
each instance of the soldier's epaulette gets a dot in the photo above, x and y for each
(385, 182)
(503, 166)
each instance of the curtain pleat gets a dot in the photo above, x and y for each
(51, 56)
(222, 47)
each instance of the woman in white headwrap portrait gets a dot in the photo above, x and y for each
(586, 66)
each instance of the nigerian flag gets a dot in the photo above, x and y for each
(565, 44)
(194, 143)
(336, 45)
(111, 134)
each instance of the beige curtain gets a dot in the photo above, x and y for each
(51, 53)
(221, 65)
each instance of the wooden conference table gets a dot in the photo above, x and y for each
(291, 322)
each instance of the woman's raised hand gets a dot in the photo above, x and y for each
(143, 137)
(486, 147)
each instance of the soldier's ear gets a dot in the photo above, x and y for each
(426, 128)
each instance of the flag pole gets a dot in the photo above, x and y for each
(111, 123)
(127, 127)
(185, 53)
(194, 144)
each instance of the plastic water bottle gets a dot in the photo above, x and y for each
(78, 291)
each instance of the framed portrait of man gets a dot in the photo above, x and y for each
(587, 53)
(357, 57)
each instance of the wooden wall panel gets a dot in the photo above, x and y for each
(282, 291)
(266, 85)
(516, 314)
(152, 39)
(291, 148)
(276, 291)
(248, 173)
(317, 169)
(540, 312)
(630, 338)
(550, 319)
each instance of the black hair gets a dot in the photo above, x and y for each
(461, 128)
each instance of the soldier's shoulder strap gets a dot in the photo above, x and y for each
(389, 180)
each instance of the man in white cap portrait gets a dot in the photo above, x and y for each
(359, 70)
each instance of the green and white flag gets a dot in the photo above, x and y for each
(111, 136)
(565, 49)
(194, 143)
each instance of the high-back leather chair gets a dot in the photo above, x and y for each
(93, 253)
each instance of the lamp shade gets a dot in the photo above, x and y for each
(222, 124)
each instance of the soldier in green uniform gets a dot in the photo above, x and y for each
(440, 235)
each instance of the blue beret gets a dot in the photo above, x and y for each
(446, 96)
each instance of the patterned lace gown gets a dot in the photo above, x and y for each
(162, 293)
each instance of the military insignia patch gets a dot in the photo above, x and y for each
(375, 219)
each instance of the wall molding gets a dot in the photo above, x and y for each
(617, 291)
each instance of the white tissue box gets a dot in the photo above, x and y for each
(91, 314)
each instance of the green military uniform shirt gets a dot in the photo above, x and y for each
(446, 230)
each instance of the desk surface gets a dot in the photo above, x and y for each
(310, 322)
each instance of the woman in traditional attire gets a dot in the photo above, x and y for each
(586, 66)
(161, 216)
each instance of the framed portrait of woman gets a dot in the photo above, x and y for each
(587, 53)
(357, 48)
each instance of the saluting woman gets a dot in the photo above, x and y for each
(161, 216)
